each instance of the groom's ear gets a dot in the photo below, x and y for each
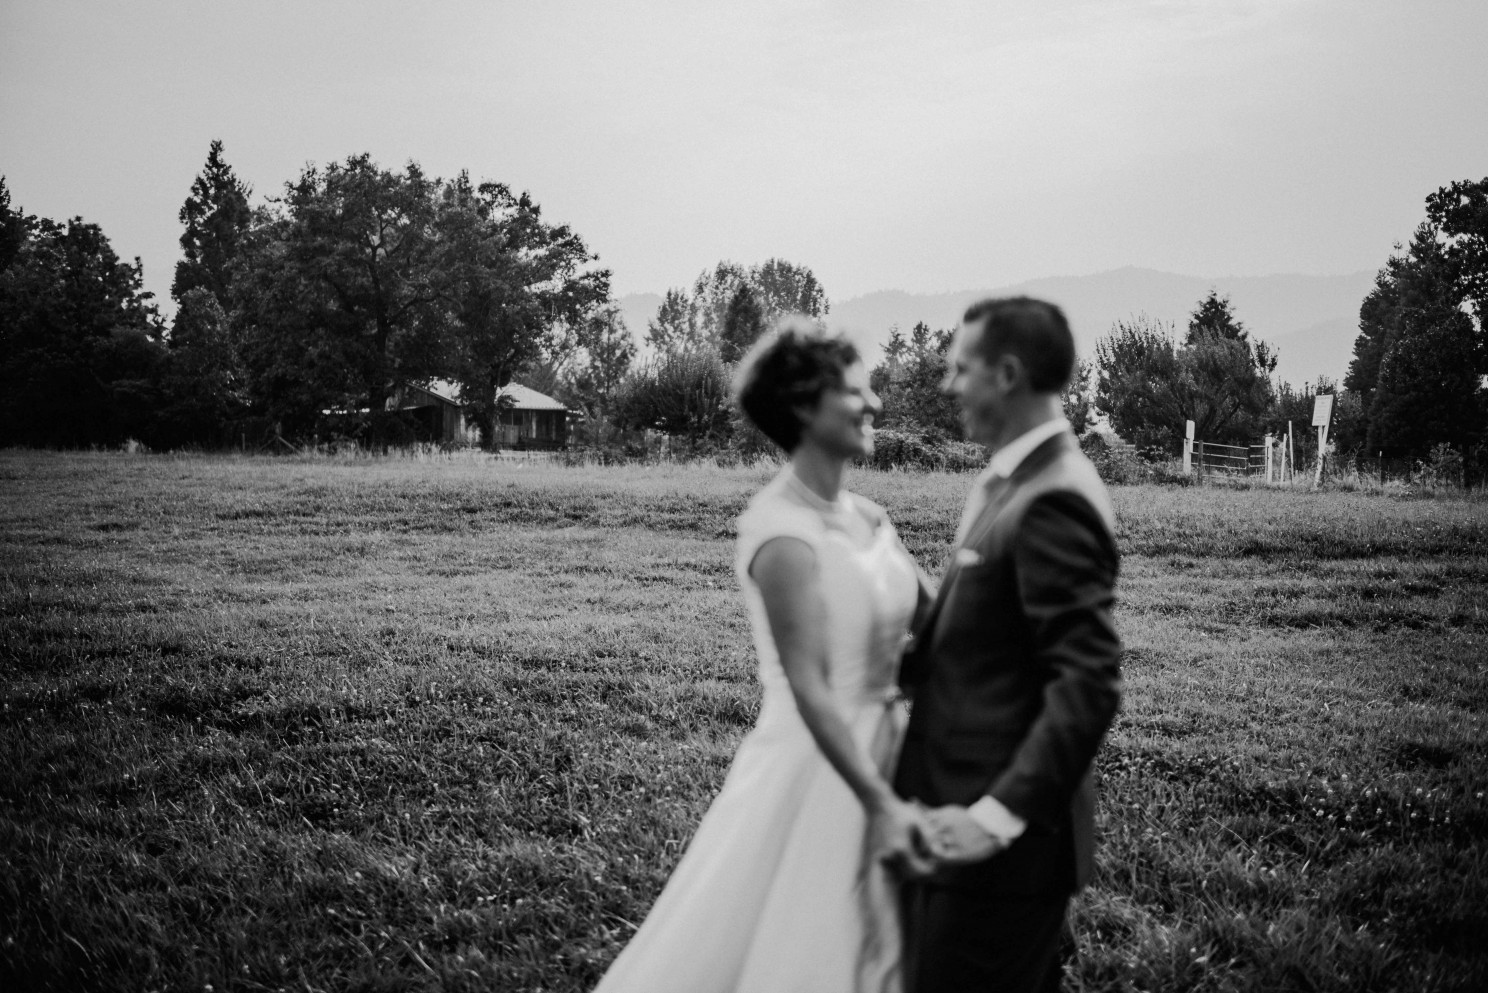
(1011, 370)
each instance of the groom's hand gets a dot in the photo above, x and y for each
(958, 839)
(899, 833)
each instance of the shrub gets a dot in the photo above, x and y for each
(907, 450)
(1443, 467)
(1119, 467)
(1169, 472)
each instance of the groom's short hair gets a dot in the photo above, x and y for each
(1034, 330)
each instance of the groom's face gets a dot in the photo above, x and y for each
(978, 386)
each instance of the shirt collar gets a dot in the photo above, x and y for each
(1005, 460)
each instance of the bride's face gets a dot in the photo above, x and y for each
(841, 423)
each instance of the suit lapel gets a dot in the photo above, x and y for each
(1002, 490)
(999, 492)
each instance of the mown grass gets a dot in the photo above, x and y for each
(378, 725)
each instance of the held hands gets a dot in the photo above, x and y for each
(917, 840)
(957, 839)
(899, 834)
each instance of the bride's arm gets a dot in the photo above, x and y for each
(785, 570)
(926, 597)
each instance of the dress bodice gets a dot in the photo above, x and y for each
(869, 590)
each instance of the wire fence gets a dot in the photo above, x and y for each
(1277, 462)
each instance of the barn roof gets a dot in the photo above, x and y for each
(523, 398)
(443, 389)
(528, 399)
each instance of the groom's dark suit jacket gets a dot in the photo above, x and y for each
(1015, 675)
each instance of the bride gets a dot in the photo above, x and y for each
(787, 884)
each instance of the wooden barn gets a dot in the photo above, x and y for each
(434, 412)
(531, 421)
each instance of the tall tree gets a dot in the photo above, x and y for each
(1418, 280)
(1460, 213)
(13, 229)
(786, 288)
(675, 326)
(896, 348)
(778, 287)
(743, 324)
(516, 280)
(203, 381)
(1142, 386)
(908, 385)
(712, 292)
(1429, 388)
(216, 216)
(348, 292)
(1214, 317)
(601, 357)
(1148, 384)
(80, 338)
(1422, 354)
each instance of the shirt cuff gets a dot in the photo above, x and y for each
(998, 821)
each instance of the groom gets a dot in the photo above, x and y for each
(1014, 672)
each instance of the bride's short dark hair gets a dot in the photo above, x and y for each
(789, 368)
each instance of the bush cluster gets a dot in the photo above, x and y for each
(907, 450)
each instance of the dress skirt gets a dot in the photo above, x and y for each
(775, 893)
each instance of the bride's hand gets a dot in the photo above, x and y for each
(900, 834)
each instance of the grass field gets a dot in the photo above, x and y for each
(397, 725)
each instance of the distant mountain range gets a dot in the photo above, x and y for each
(1312, 320)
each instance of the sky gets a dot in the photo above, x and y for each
(912, 146)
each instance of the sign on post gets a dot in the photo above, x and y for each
(1188, 433)
(1322, 410)
(1322, 414)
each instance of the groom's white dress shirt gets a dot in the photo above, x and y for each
(989, 812)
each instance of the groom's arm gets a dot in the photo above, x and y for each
(1066, 564)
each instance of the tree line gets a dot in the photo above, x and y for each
(323, 300)
(304, 315)
(1416, 388)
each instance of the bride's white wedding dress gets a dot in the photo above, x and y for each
(775, 894)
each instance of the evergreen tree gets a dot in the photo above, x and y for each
(203, 382)
(1422, 354)
(1215, 318)
(216, 216)
(908, 384)
(1429, 389)
(1419, 280)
